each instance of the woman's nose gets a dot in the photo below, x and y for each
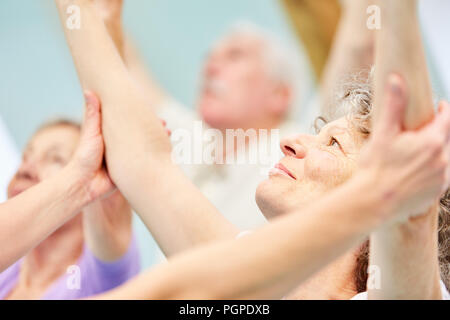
(28, 171)
(293, 147)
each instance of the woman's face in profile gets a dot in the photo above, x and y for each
(48, 151)
(312, 166)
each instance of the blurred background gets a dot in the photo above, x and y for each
(38, 80)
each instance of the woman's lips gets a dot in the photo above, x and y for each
(281, 169)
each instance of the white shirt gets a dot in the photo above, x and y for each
(444, 291)
(9, 160)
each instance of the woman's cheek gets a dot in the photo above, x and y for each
(326, 168)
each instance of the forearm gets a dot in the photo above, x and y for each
(29, 218)
(352, 52)
(107, 229)
(269, 262)
(176, 212)
(138, 70)
(115, 29)
(137, 147)
(399, 49)
(143, 76)
(406, 256)
(126, 115)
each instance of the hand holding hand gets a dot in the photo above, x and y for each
(87, 162)
(411, 166)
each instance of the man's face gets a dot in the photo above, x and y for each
(237, 89)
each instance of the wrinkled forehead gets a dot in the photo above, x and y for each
(60, 137)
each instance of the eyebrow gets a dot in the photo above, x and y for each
(332, 131)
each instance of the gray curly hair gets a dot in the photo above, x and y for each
(355, 101)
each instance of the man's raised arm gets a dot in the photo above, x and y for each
(352, 52)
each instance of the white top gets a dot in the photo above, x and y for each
(444, 291)
(9, 160)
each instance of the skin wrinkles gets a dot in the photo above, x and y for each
(319, 167)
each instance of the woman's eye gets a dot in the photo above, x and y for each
(334, 143)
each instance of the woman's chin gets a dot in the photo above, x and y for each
(270, 200)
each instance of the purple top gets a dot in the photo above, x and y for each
(88, 277)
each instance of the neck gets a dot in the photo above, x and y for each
(334, 282)
(48, 261)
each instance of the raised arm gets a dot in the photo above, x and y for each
(278, 257)
(352, 52)
(406, 253)
(32, 216)
(111, 13)
(107, 227)
(399, 49)
(138, 151)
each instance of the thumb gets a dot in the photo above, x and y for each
(92, 117)
(395, 102)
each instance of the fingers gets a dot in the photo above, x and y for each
(92, 116)
(438, 131)
(396, 100)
